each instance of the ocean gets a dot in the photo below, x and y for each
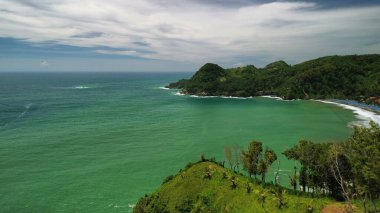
(96, 142)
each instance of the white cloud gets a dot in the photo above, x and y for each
(44, 64)
(192, 31)
(117, 52)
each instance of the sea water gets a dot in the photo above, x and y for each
(96, 142)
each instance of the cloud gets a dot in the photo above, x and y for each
(44, 64)
(196, 31)
(117, 52)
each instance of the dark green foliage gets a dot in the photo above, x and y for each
(186, 206)
(279, 195)
(233, 182)
(354, 77)
(224, 175)
(264, 163)
(208, 174)
(203, 158)
(188, 165)
(262, 197)
(249, 188)
(251, 158)
(255, 163)
(346, 170)
(293, 179)
(152, 203)
(179, 84)
(363, 152)
(168, 178)
(315, 162)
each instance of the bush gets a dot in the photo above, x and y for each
(203, 158)
(188, 165)
(233, 182)
(168, 178)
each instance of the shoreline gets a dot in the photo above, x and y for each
(362, 113)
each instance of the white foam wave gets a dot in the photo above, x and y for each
(81, 87)
(278, 98)
(210, 96)
(233, 97)
(363, 115)
(164, 88)
(178, 93)
(272, 97)
(202, 96)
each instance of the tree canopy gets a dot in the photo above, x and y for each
(355, 77)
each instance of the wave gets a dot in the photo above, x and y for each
(211, 96)
(27, 107)
(74, 87)
(178, 93)
(200, 96)
(363, 115)
(272, 97)
(81, 87)
(22, 114)
(278, 98)
(164, 88)
(234, 97)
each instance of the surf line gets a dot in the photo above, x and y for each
(363, 115)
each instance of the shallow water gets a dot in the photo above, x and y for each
(96, 142)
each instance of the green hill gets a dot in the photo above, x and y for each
(355, 77)
(208, 187)
(347, 170)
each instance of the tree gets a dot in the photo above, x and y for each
(228, 155)
(237, 157)
(338, 170)
(363, 149)
(314, 160)
(265, 163)
(293, 179)
(262, 168)
(251, 156)
(303, 178)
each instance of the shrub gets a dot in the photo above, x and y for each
(233, 182)
(168, 178)
(188, 165)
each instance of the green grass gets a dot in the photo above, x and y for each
(191, 191)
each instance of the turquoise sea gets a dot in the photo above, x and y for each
(96, 142)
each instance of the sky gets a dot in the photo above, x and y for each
(180, 35)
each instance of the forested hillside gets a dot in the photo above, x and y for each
(355, 77)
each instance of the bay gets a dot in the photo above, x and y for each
(96, 142)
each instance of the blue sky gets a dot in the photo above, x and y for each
(180, 35)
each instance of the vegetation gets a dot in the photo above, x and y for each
(330, 172)
(355, 77)
(346, 170)
(192, 190)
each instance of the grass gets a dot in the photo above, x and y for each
(208, 187)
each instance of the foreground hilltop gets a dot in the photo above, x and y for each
(208, 187)
(355, 77)
(346, 170)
